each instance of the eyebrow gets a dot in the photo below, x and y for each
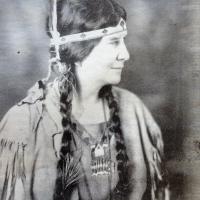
(117, 37)
(114, 39)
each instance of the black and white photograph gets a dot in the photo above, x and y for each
(99, 100)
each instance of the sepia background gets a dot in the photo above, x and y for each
(164, 71)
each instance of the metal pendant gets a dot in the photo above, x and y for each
(100, 159)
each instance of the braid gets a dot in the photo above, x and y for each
(115, 127)
(66, 94)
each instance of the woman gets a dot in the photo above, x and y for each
(78, 137)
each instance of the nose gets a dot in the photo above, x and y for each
(123, 54)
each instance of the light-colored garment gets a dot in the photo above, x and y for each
(30, 138)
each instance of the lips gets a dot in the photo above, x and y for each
(117, 67)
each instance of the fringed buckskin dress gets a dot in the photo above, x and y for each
(30, 138)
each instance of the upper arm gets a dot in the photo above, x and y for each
(153, 130)
(15, 124)
(144, 144)
(131, 125)
(143, 140)
(152, 141)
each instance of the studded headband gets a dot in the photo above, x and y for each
(89, 35)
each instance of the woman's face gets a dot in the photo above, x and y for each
(105, 62)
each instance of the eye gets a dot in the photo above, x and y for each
(115, 42)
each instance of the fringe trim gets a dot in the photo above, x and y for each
(12, 166)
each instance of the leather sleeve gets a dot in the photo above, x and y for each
(14, 130)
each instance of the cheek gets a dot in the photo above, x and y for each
(102, 58)
(106, 60)
(106, 54)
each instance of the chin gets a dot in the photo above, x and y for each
(112, 78)
(115, 81)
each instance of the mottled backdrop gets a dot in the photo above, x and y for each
(163, 41)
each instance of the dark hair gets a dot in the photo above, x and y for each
(75, 16)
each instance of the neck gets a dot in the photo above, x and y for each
(87, 102)
(87, 96)
(88, 91)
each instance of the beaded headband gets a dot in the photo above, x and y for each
(89, 35)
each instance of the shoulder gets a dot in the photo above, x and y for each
(132, 107)
(14, 124)
(127, 98)
(18, 122)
